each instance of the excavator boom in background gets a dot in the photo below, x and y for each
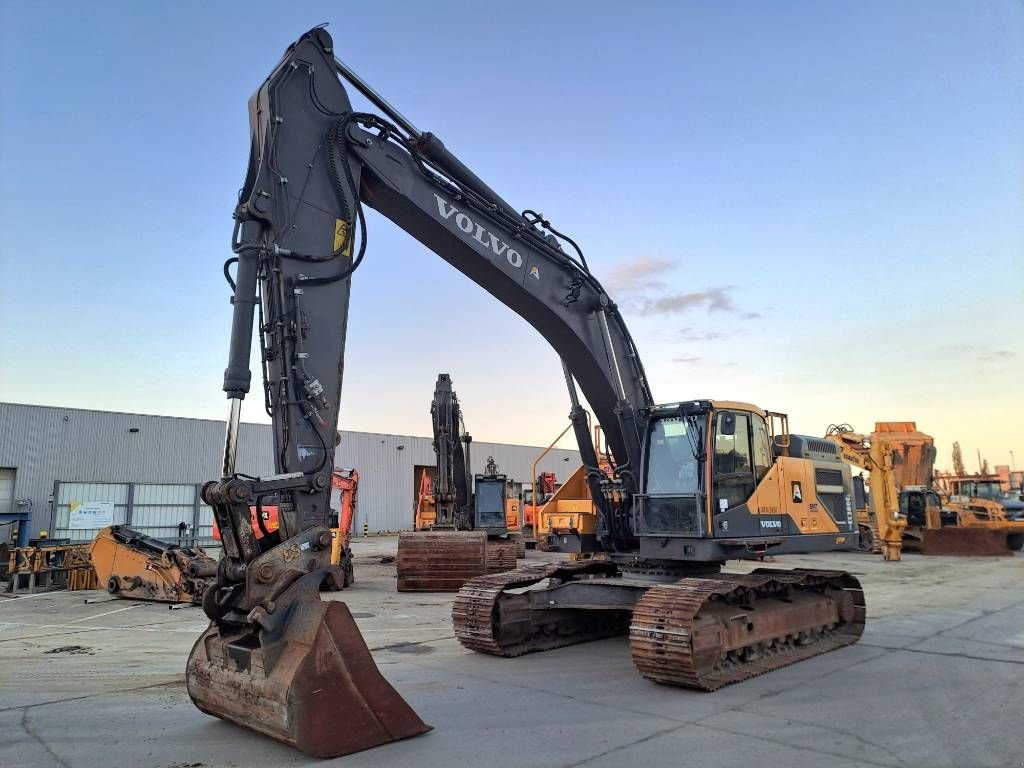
(462, 525)
(692, 483)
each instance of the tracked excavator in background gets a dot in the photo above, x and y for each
(463, 531)
(694, 482)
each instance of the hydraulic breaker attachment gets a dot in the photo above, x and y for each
(300, 673)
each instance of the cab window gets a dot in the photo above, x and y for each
(733, 467)
(762, 450)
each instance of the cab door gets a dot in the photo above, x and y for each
(733, 475)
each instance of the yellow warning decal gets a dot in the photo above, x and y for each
(340, 235)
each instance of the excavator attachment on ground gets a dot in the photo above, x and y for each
(133, 565)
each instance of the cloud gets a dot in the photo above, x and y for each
(712, 299)
(637, 275)
(641, 287)
(688, 333)
(703, 362)
(995, 355)
(974, 352)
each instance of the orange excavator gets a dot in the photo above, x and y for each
(346, 481)
(426, 513)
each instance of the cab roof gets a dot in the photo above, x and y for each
(737, 405)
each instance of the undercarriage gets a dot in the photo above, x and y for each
(702, 631)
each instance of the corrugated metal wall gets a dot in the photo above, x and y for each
(47, 445)
(155, 509)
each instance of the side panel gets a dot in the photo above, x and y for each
(800, 499)
(787, 502)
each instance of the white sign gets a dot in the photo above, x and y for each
(90, 515)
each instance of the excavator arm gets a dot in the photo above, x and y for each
(299, 237)
(874, 455)
(453, 487)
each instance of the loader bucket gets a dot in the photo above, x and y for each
(306, 678)
(965, 542)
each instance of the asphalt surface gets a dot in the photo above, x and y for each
(935, 681)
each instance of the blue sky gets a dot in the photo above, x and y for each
(814, 206)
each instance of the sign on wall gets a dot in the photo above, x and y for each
(90, 514)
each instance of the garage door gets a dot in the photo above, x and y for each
(6, 491)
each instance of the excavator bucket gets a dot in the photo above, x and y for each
(964, 542)
(305, 677)
(442, 561)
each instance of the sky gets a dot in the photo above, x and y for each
(817, 207)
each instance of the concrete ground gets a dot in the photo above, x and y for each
(936, 681)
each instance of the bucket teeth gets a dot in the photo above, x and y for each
(306, 678)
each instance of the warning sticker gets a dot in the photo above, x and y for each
(340, 235)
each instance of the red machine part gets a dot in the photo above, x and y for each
(344, 480)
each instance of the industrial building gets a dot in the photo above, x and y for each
(55, 461)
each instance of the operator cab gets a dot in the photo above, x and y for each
(489, 504)
(915, 504)
(724, 479)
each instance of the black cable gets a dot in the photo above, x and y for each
(227, 272)
(259, 516)
(323, 445)
(536, 218)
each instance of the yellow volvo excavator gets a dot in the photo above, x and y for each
(691, 483)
